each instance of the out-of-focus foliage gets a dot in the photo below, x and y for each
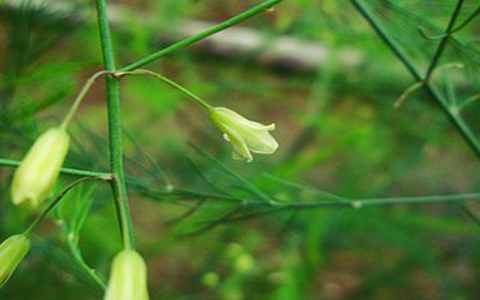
(201, 219)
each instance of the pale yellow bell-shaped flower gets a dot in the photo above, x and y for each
(245, 136)
(12, 252)
(35, 178)
(128, 277)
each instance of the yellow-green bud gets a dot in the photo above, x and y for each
(12, 252)
(35, 178)
(244, 263)
(210, 279)
(245, 136)
(128, 277)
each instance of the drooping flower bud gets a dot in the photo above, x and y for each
(12, 252)
(128, 277)
(35, 178)
(245, 136)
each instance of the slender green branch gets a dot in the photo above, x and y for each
(417, 85)
(469, 101)
(467, 135)
(167, 81)
(467, 20)
(367, 202)
(415, 200)
(456, 29)
(119, 186)
(57, 200)
(202, 35)
(68, 171)
(80, 97)
(78, 257)
(443, 41)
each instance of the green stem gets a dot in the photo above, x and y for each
(467, 20)
(78, 257)
(167, 81)
(118, 183)
(443, 41)
(57, 200)
(362, 203)
(202, 35)
(467, 135)
(80, 97)
(458, 28)
(69, 171)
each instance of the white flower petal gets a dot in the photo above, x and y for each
(261, 142)
(238, 143)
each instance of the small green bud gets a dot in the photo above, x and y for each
(245, 136)
(128, 277)
(12, 252)
(244, 263)
(35, 178)
(210, 279)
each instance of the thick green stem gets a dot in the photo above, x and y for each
(119, 186)
(203, 35)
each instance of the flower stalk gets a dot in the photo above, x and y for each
(81, 96)
(167, 81)
(57, 200)
(245, 136)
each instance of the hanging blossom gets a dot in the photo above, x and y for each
(128, 277)
(245, 136)
(35, 178)
(12, 252)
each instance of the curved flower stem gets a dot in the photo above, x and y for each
(119, 187)
(167, 81)
(81, 96)
(57, 200)
(92, 273)
(203, 35)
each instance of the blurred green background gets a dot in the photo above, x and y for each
(336, 124)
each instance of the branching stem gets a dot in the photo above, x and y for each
(119, 187)
(57, 200)
(68, 171)
(81, 96)
(453, 116)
